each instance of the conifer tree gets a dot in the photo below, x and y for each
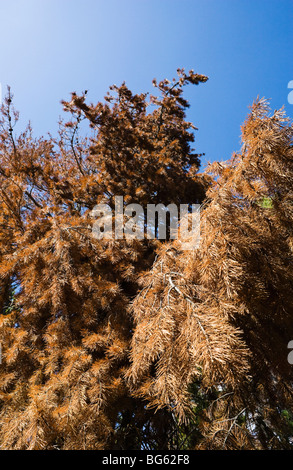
(139, 344)
(65, 322)
(212, 326)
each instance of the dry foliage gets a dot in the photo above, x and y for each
(221, 316)
(139, 344)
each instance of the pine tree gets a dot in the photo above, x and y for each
(139, 344)
(65, 323)
(212, 326)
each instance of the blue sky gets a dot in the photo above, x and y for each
(52, 47)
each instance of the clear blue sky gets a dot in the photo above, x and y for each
(52, 47)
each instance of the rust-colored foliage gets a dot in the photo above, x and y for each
(65, 321)
(221, 316)
(138, 344)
